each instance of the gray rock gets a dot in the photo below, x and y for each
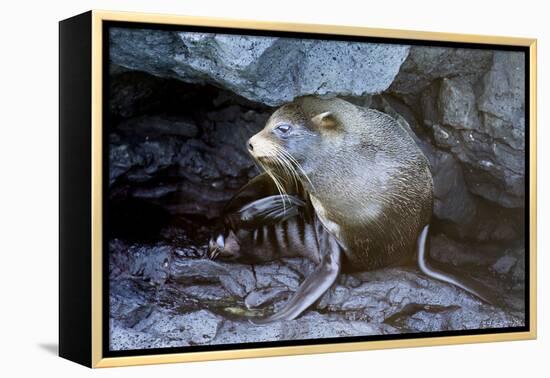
(426, 64)
(268, 70)
(151, 263)
(452, 199)
(460, 254)
(203, 292)
(122, 338)
(162, 330)
(238, 281)
(152, 126)
(197, 306)
(512, 266)
(195, 328)
(492, 170)
(189, 271)
(503, 96)
(178, 143)
(473, 102)
(504, 264)
(457, 104)
(140, 160)
(265, 296)
(431, 318)
(163, 159)
(133, 93)
(130, 300)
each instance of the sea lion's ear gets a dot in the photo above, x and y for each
(325, 121)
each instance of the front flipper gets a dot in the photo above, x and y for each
(259, 187)
(314, 286)
(269, 210)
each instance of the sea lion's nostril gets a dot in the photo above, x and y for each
(250, 146)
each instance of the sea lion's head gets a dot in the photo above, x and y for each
(284, 147)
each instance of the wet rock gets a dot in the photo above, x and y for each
(267, 70)
(265, 296)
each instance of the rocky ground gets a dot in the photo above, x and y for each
(183, 104)
(164, 296)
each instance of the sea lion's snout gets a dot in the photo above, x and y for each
(250, 146)
(260, 147)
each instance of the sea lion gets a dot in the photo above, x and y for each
(344, 186)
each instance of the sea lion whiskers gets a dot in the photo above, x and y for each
(280, 169)
(283, 174)
(286, 165)
(296, 167)
(275, 178)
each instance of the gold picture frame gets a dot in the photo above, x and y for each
(92, 354)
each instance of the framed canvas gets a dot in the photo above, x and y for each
(235, 189)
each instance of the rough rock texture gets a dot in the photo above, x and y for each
(182, 106)
(167, 160)
(263, 69)
(426, 64)
(456, 206)
(174, 300)
(472, 103)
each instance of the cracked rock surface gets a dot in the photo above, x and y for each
(173, 300)
(181, 108)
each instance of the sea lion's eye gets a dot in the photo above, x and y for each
(283, 128)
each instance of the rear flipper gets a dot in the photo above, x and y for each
(446, 276)
(314, 286)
